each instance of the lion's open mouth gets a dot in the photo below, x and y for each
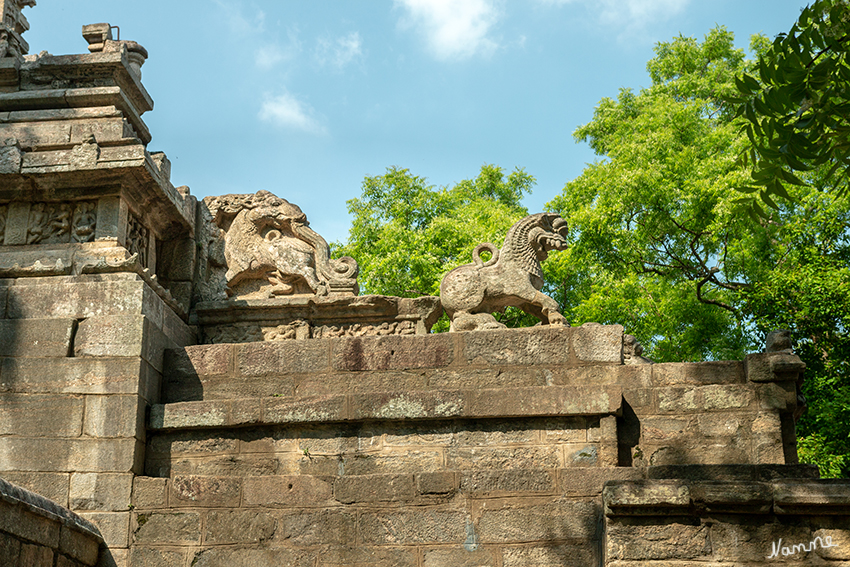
(550, 242)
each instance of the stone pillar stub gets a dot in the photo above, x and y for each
(111, 219)
(16, 223)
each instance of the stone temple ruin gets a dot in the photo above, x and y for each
(189, 383)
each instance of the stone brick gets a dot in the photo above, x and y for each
(506, 458)
(361, 556)
(409, 405)
(79, 546)
(588, 481)
(679, 400)
(666, 540)
(75, 299)
(581, 455)
(287, 491)
(150, 557)
(115, 416)
(727, 397)
(113, 526)
(216, 557)
(499, 482)
(374, 488)
(310, 410)
(431, 433)
(205, 491)
(38, 529)
(550, 521)
(468, 555)
(36, 338)
(823, 496)
(598, 343)
(494, 433)
(434, 483)
(110, 335)
(781, 396)
(577, 555)
(238, 526)
(392, 352)
(44, 454)
(632, 376)
(184, 415)
(189, 443)
(646, 497)
(527, 347)
(337, 383)
(414, 461)
(218, 466)
(477, 378)
(36, 555)
(150, 492)
(71, 375)
(114, 557)
(552, 400)
(564, 430)
(413, 527)
(200, 360)
(718, 425)
(53, 486)
(10, 550)
(172, 528)
(41, 415)
(324, 527)
(283, 357)
(100, 491)
(698, 373)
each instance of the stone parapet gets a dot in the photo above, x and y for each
(36, 532)
(679, 522)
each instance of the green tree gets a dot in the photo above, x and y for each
(795, 106)
(657, 243)
(406, 234)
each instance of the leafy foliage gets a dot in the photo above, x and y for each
(657, 243)
(406, 235)
(795, 106)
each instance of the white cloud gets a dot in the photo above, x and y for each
(240, 23)
(628, 14)
(454, 29)
(287, 111)
(339, 52)
(268, 56)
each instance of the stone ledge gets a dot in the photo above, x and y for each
(423, 405)
(41, 506)
(809, 497)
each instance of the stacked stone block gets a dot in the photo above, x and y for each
(80, 364)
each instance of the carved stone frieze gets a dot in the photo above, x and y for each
(47, 223)
(261, 246)
(138, 239)
(301, 330)
(312, 317)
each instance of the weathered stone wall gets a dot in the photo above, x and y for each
(727, 516)
(35, 532)
(484, 448)
(80, 363)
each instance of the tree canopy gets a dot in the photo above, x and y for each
(658, 243)
(407, 234)
(795, 106)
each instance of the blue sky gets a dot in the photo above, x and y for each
(306, 97)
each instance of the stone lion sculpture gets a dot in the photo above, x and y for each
(510, 277)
